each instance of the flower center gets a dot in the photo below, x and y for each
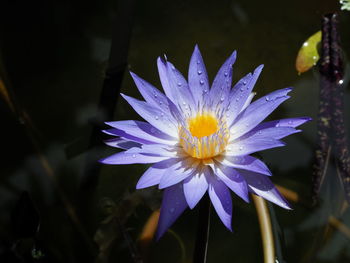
(203, 125)
(204, 136)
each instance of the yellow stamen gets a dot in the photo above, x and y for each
(204, 137)
(203, 125)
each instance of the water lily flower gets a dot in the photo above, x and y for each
(200, 138)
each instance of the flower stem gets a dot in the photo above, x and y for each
(265, 228)
(201, 246)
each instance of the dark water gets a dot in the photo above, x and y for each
(54, 55)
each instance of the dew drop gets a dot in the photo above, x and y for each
(198, 62)
(237, 99)
(160, 102)
(205, 91)
(201, 82)
(244, 82)
(179, 84)
(162, 114)
(156, 117)
(199, 72)
(290, 122)
(226, 74)
(183, 103)
(222, 98)
(134, 156)
(155, 95)
(267, 98)
(240, 148)
(241, 89)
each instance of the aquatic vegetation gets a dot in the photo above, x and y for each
(308, 54)
(200, 139)
(345, 5)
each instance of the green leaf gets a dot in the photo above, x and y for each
(308, 54)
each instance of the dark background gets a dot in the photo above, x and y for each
(54, 56)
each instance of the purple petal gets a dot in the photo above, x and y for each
(122, 134)
(257, 112)
(261, 185)
(157, 149)
(198, 77)
(241, 93)
(290, 122)
(233, 180)
(173, 205)
(181, 93)
(178, 172)
(251, 145)
(122, 143)
(151, 94)
(127, 157)
(154, 173)
(153, 115)
(221, 87)
(163, 75)
(276, 133)
(195, 187)
(174, 110)
(142, 130)
(247, 162)
(248, 101)
(221, 199)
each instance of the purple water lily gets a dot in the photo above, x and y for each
(199, 139)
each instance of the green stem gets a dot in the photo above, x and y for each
(265, 228)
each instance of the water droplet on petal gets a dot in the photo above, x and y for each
(199, 72)
(222, 98)
(155, 95)
(244, 82)
(226, 74)
(267, 98)
(240, 148)
(290, 122)
(198, 62)
(156, 117)
(134, 156)
(237, 99)
(201, 82)
(241, 89)
(179, 84)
